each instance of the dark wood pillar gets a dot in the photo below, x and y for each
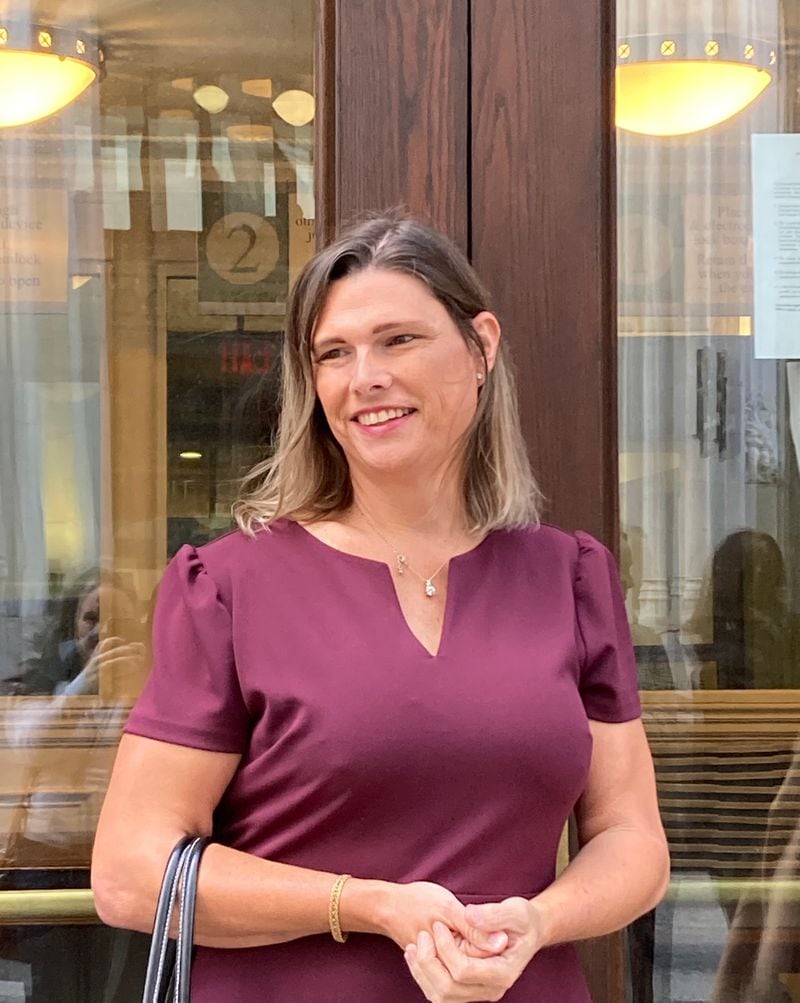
(492, 119)
(543, 214)
(393, 128)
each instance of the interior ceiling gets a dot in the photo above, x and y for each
(188, 38)
(739, 18)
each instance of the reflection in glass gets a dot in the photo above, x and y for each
(149, 231)
(76, 644)
(710, 521)
(222, 387)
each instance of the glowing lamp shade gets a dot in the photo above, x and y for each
(34, 85)
(42, 71)
(677, 98)
(211, 98)
(675, 85)
(295, 107)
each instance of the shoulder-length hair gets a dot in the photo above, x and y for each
(306, 477)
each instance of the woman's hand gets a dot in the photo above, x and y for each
(447, 973)
(124, 658)
(406, 909)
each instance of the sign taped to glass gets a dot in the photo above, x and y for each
(33, 249)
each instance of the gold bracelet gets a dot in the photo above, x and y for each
(333, 909)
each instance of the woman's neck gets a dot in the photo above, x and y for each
(431, 509)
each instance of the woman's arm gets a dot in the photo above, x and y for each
(621, 871)
(159, 792)
(622, 868)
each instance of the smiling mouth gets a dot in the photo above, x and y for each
(383, 416)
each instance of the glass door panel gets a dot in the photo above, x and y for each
(709, 292)
(156, 199)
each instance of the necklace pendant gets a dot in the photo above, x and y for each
(430, 588)
(402, 563)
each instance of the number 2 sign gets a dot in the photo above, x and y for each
(242, 265)
(242, 248)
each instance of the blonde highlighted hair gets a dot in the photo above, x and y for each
(306, 476)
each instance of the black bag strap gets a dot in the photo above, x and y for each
(159, 961)
(188, 896)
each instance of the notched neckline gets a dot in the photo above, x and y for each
(384, 569)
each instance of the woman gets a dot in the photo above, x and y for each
(389, 671)
(72, 653)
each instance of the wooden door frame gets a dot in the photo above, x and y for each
(543, 225)
(392, 123)
(493, 120)
(543, 220)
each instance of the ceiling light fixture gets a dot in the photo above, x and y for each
(211, 98)
(674, 85)
(295, 107)
(42, 70)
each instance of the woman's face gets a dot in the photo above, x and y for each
(101, 598)
(87, 616)
(395, 378)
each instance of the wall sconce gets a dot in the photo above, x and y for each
(674, 85)
(42, 70)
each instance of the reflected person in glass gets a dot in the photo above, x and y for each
(75, 648)
(755, 631)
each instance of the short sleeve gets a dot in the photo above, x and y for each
(192, 695)
(609, 683)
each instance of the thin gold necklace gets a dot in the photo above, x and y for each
(401, 560)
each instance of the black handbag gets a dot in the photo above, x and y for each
(169, 964)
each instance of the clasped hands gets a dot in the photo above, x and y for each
(467, 953)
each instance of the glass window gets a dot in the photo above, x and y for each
(709, 294)
(156, 200)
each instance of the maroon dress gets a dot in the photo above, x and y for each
(363, 753)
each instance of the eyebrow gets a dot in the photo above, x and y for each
(381, 328)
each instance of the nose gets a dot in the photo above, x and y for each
(369, 373)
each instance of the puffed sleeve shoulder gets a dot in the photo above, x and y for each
(192, 695)
(608, 677)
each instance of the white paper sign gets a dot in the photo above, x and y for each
(33, 249)
(776, 245)
(184, 195)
